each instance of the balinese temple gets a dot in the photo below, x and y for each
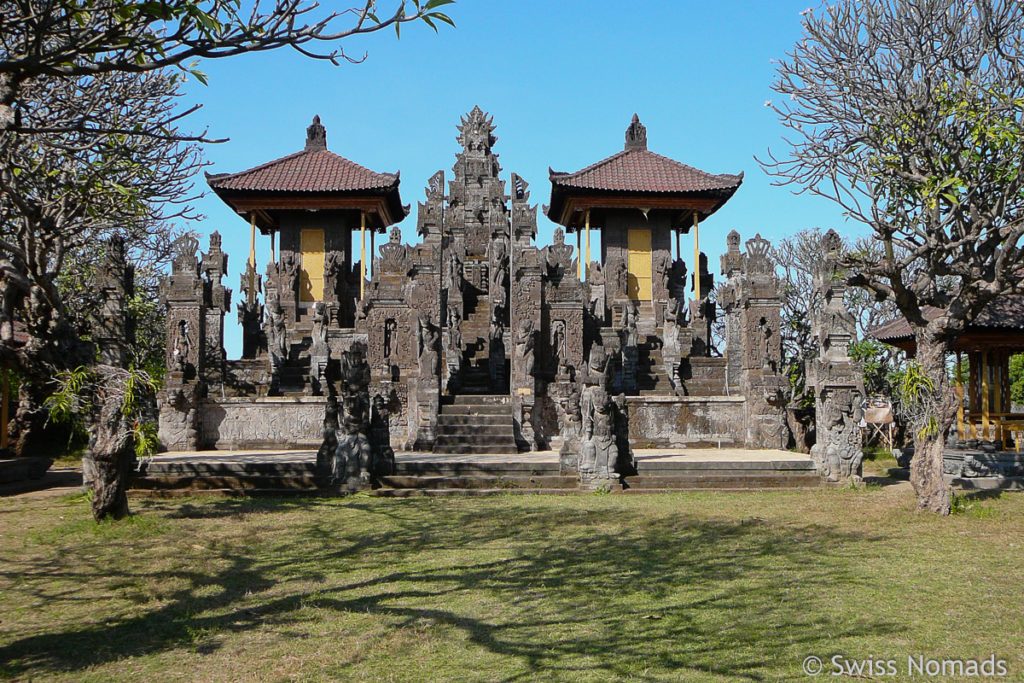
(477, 340)
(986, 411)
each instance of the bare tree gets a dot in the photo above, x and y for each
(69, 38)
(907, 113)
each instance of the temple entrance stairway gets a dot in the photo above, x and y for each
(475, 423)
(652, 380)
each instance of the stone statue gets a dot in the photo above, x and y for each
(629, 332)
(525, 341)
(320, 350)
(329, 444)
(390, 337)
(499, 271)
(558, 356)
(277, 341)
(182, 347)
(429, 359)
(353, 455)
(380, 438)
(599, 448)
(496, 358)
(455, 280)
(289, 270)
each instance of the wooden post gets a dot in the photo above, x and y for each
(252, 258)
(984, 394)
(961, 434)
(588, 243)
(373, 250)
(3, 412)
(579, 257)
(679, 249)
(696, 258)
(362, 251)
(273, 239)
(997, 394)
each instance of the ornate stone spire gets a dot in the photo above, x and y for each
(636, 135)
(316, 136)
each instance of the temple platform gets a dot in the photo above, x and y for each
(292, 472)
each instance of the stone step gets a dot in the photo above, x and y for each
(476, 449)
(480, 482)
(480, 409)
(407, 493)
(475, 420)
(227, 493)
(443, 443)
(220, 482)
(501, 399)
(681, 468)
(229, 469)
(724, 481)
(462, 468)
(476, 433)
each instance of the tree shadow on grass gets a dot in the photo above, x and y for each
(668, 593)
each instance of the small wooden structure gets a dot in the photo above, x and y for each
(985, 410)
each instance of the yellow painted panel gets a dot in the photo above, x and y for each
(639, 266)
(311, 281)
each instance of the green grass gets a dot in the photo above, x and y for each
(703, 586)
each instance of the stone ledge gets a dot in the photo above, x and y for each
(631, 400)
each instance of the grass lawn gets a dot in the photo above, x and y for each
(692, 586)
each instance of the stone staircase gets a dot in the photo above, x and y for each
(475, 424)
(652, 380)
(475, 477)
(246, 476)
(730, 475)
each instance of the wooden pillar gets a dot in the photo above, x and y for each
(4, 407)
(579, 257)
(273, 238)
(972, 390)
(997, 394)
(679, 249)
(252, 259)
(373, 250)
(961, 434)
(362, 252)
(984, 394)
(588, 242)
(696, 258)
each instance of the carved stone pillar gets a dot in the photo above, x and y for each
(216, 302)
(838, 380)
(183, 295)
(526, 323)
(114, 330)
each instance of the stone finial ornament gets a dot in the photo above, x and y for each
(636, 135)
(316, 136)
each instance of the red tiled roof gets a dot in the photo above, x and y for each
(640, 170)
(1005, 313)
(311, 170)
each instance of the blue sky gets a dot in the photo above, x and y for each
(562, 80)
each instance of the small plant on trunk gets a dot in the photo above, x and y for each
(116, 406)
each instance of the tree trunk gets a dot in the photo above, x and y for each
(930, 432)
(112, 458)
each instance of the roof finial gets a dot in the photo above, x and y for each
(316, 135)
(636, 135)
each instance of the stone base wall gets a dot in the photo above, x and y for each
(686, 421)
(242, 423)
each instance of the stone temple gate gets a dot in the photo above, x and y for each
(476, 340)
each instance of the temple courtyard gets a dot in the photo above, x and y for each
(681, 586)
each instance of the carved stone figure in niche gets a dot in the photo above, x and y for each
(454, 325)
(455, 278)
(320, 350)
(182, 347)
(499, 271)
(390, 337)
(429, 359)
(765, 338)
(558, 349)
(595, 279)
(525, 341)
(380, 438)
